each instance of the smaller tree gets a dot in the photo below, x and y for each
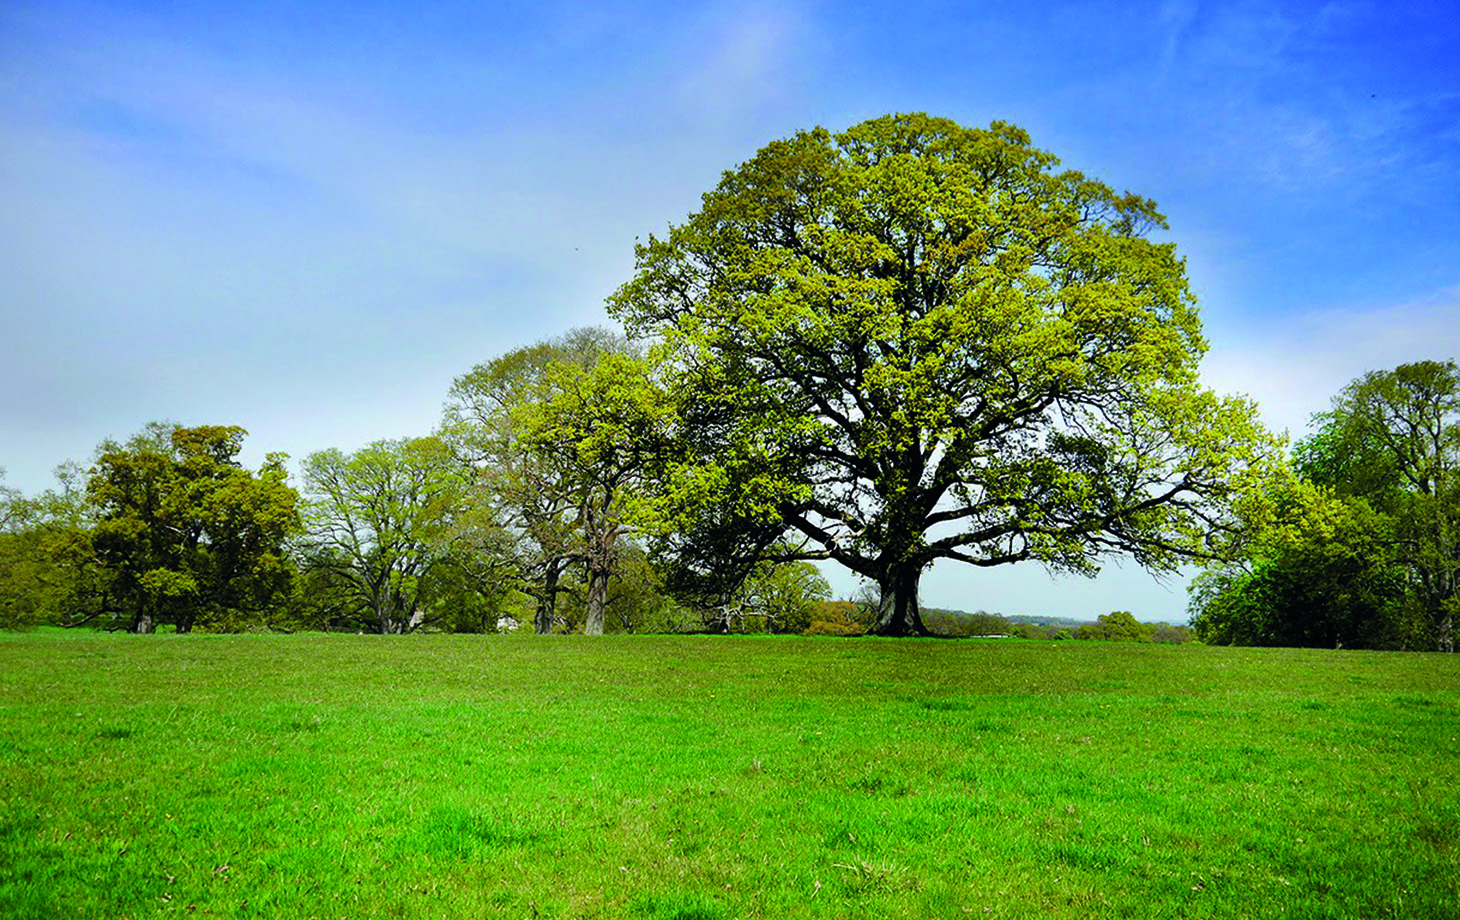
(536, 494)
(51, 570)
(1118, 626)
(839, 618)
(1392, 439)
(183, 533)
(777, 598)
(1319, 572)
(599, 422)
(382, 522)
(21, 562)
(636, 598)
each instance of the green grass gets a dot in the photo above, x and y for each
(709, 779)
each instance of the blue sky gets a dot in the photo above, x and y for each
(306, 219)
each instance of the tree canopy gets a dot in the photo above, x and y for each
(381, 519)
(183, 532)
(507, 422)
(914, 341)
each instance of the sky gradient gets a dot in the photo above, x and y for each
(307, 219)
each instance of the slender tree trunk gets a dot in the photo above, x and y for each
(597, 601)
(547, 601)
(1447, 633)
(142, 623)
(898, 613)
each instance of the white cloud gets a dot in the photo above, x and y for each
(1293, 367)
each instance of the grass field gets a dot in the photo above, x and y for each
(699, 778)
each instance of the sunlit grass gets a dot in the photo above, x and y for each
(722, 778)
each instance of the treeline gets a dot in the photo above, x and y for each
(1117, 626)
(514, 513)
(525, 510)
(1357, 544)
(531, 506)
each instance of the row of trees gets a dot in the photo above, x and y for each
(168, 528)
(907, 342)
(1118, 626)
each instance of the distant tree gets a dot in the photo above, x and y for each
(9, 502)
(1030, 631)
(637, 601)
(960, 624)
(183, 534)
(776, 597)
(51, 570)
(915, 341)
(21, 560)
(838, 618)
(1321, 571)
(1392, 439)
(382, 523)
(598, 424)
(1119, 626)
(535, 493)
(1360, 546)
(1166, 634)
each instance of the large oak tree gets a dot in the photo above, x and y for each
(913, 341)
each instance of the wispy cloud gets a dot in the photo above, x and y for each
(1293, 367)
(743, 60)
(1174, 19)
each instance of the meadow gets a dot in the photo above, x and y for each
(696, 778)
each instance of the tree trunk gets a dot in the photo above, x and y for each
(142, 622)
(384, 614)
(898, 613)
(542, 623)
(597, 601)
(1447, 634)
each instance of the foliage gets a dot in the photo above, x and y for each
(599, 422)
(914, 341)
(49, 571)
(1392, 439)
(524, 468)
(1119, 626)
(183, 534)
(1167, 634)
(383, 522)
(1360, 548)
(637, 601)
(777, 597)
(1021, 630)
(957, 624)
(1321, 572)
(838, 618)
(647, 776)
